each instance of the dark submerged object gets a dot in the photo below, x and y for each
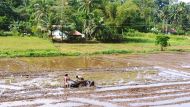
(84, 83)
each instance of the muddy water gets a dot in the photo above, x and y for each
(56, 63)
(102, 69)
(121, 80)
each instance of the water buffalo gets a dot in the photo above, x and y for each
(84, 83)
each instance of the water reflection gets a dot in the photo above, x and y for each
(56, 63)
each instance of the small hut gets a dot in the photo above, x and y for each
(76, 34)
(57, 34)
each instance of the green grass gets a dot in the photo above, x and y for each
(29, 53)
(144, 43)
(14, 46)
(24, 43)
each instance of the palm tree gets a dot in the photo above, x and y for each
(41, 14)
(178, 14)
(87, 7)
(164, 15)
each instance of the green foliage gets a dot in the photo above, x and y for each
(162, 41)
(29, 53)
(132, 32)
(14, 3)
(35, 53)
(113, 52)
(127, 12)
(21, 28)
(3, 22)
(108, 34)
(103, 20)
(3, 33)
(38, 47)
(6, 15)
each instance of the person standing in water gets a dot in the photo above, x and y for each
(66, 80)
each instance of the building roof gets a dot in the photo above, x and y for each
(75, 33)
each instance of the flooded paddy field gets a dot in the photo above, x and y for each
(152, 80)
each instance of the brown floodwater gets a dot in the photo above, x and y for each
(161, 79)
(102, 69)
(28, 64)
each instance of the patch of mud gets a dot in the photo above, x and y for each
(65, 104)
(152, 98)
(150, 80)
(93, 102)
(142, 86)
(165, 102)
(171, 72)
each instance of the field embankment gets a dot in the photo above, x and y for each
(14, 46)
(144, 43)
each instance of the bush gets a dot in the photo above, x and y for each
(162, 41)
(3, 33)
(133, 33)
(188, 33)
(4, 22)
(21, 28)
(180, 32)
(109, 34)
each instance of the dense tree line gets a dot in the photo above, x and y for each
(97, 19)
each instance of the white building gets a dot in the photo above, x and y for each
(58, 35)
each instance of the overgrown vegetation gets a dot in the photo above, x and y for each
(142, 43)
(29, 53)
(162, 41)
(110, 26)
(102, 20)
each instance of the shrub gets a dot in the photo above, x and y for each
(3, 33)
(133, 33)
(180, 32)
(162, 41)
(109, 34)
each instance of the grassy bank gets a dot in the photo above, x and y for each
(132, 44)
(34, 46)
(13, 46)
(24, 43)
